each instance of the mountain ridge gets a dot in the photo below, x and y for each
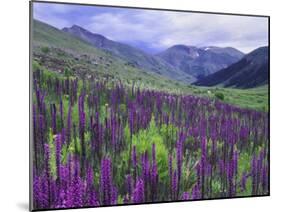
(132, 55)
(60, 52)
(200, 61)
(249, 72)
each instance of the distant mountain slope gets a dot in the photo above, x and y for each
(133, 56)
(200, 62)
(45, 34)
(251, 71)
(60, 52)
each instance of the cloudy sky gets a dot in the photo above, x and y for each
(154, 31)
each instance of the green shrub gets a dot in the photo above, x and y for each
(68, 72)
(45, 49)
(143, 141)
(36, 66)
(219, 95)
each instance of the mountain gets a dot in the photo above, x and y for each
(251, 71)
(47, 35)
(133, 56)
(200, 62)
(57, 51)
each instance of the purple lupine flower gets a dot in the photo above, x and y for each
(41, 194)
(64, 176)
(203, 164)
(77, 187)
(243, 181)
(199, 174)
(61, 203)
(69, 125)
(129, 186)
(106, 182)
(81, 115)
(145, 172)
(235, 162)
(214, 149)
(260, 166)
(54, 191)
(131, 119)
(170, 167)
(179, 154)
(113, 124)
(244, 133)
(89, 177)
(196, 192)
(93, 199)
(203, 150)
(61, 112)
(114, 195)
(82, 124)
(54, 118)
(63, 136)
(154, 181)
(254, 174)
(203, 127)
(221, 168)
(265, 179)
(138, 193)
(47, 177)
(36, 192)
(145, 167)
(58, 154)
(134, 161)
(230, 175)
(126, 199)
(174, 185)
(90, 195)
(208, 169)
(34, 118)
(69, 194)
(47, 158)
(185, 196)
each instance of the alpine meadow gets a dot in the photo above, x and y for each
(120, 117)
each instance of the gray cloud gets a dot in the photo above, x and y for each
(53, 14)
(162, 29)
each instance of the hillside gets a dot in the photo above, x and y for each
(133, 56)
(251, 71)
(61, 52)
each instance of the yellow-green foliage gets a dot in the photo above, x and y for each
(143, 141)
(169, 134)
(52, 147)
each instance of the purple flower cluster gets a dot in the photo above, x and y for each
(107, 190)
(84, 152)
(138, 193)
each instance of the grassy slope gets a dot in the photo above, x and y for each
(45, 35)
(255, 98)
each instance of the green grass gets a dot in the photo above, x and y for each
(43, 34)
(255, 98)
